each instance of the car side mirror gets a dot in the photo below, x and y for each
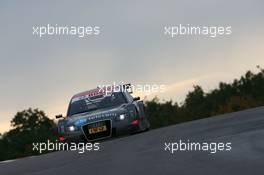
(58, 116)
(136, 98)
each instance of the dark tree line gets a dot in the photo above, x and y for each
(33, 125)
(29, 126)
(245, 92)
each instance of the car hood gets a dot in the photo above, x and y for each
(100, 114)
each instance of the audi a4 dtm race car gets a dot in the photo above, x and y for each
(98, 114)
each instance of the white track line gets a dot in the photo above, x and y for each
(7, 161)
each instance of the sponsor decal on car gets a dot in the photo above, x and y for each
(100, 116)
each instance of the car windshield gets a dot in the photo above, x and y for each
(86, 104)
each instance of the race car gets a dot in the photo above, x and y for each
(102, 113)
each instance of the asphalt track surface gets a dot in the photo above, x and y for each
(144, 153)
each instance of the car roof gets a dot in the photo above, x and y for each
(98, 91)
(88, 93)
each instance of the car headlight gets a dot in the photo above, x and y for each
(71, 128)
(122, 116)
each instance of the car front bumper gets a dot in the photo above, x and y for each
(121, 127)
